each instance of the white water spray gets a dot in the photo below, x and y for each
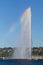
(24, 49)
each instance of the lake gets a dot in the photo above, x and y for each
(21, 62)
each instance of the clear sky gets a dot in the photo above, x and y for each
(10, 12)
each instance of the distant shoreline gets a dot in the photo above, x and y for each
(32, 58)
(37, 57)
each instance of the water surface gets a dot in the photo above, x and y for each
(21, 62)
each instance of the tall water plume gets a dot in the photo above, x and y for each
(24, 49)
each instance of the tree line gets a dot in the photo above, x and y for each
(8, 52)
(37, 51)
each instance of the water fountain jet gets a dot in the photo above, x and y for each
(24, 49)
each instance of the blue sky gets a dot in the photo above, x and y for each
(10, 12)
(37, 22)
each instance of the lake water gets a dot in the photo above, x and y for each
(21, 62)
